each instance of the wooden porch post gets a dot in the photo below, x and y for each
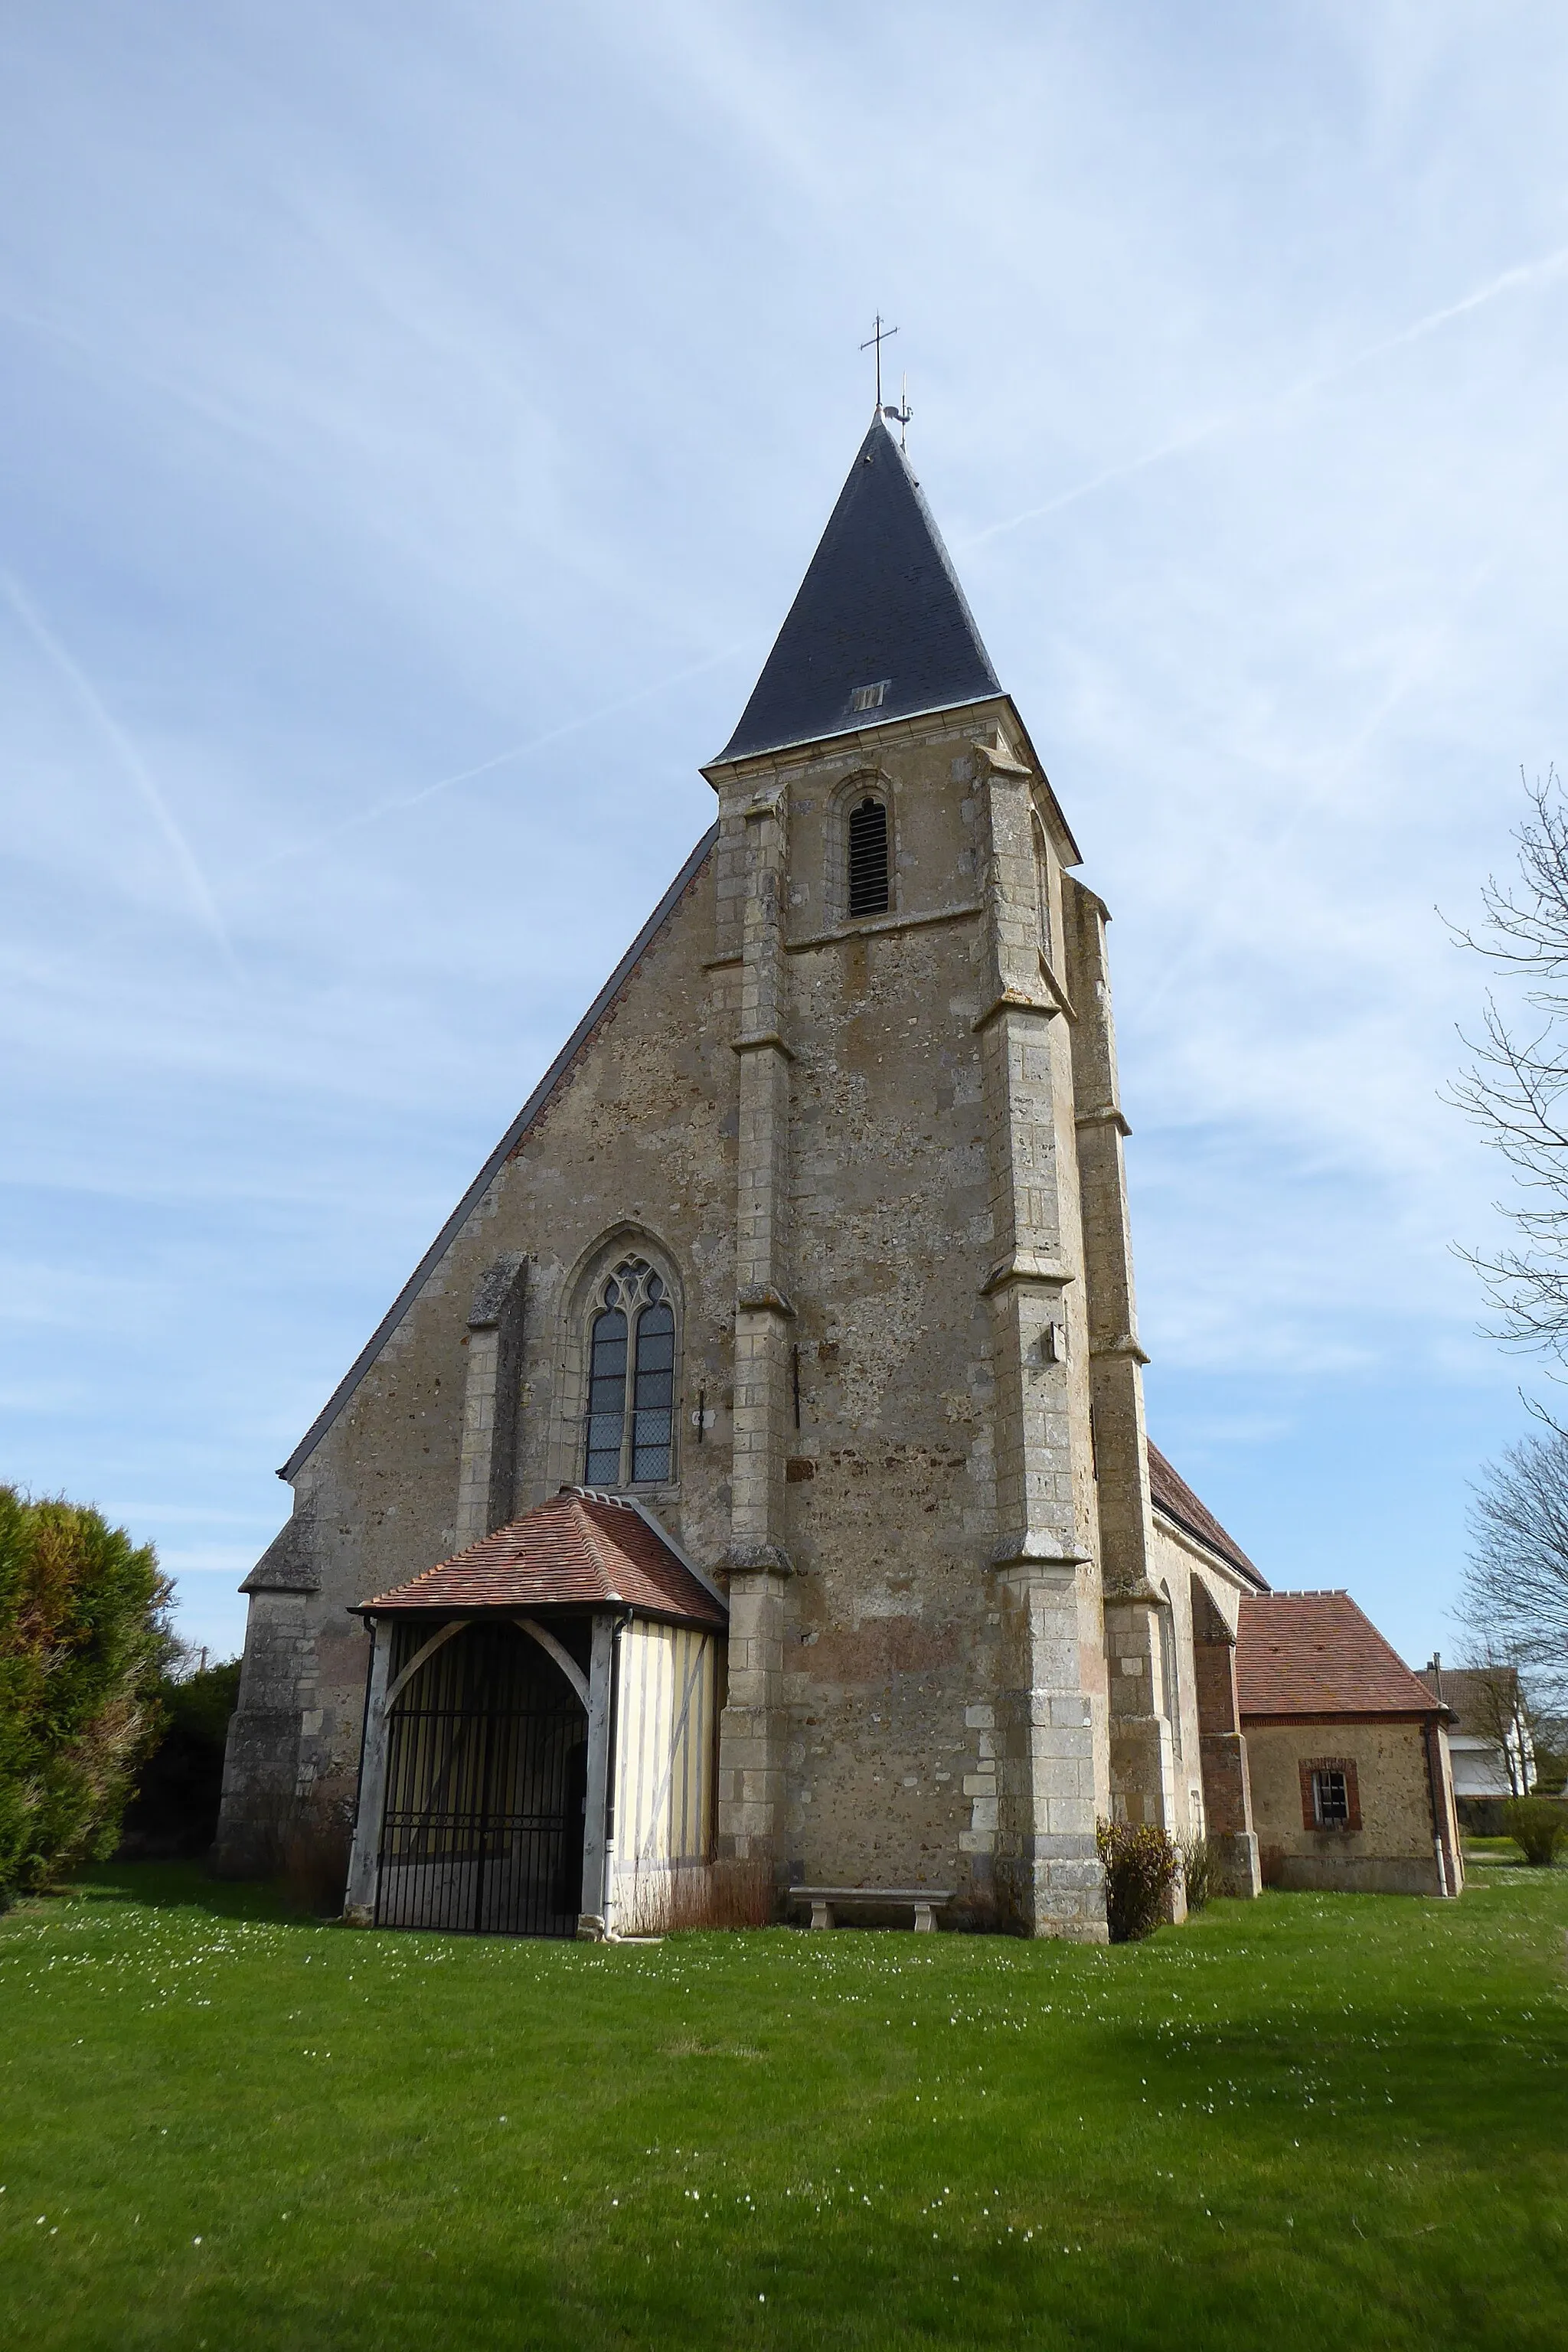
(594, 1918)
(359, 1899)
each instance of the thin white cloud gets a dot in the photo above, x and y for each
(1179, 444)
(399, 800)
(129, 761)
(426, 405)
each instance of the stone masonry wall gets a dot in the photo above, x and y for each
(853, 1152)
(634, 1151)
(1392, 1852)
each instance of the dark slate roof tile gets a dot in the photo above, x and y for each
(879, 606)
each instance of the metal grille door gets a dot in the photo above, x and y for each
(486, 1769)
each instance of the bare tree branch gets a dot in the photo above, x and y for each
(1495, 1706)
(1514, 1594)
(1515, 1088)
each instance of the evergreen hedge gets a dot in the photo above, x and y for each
(84, 1634)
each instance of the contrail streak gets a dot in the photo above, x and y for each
(129, 758)
(496, 759)
(1523, 273)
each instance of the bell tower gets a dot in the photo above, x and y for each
(916, 1556)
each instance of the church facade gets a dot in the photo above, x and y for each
(810, 1254)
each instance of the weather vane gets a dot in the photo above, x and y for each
(901, 415)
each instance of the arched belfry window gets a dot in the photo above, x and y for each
(631, 1381)
(868, 857)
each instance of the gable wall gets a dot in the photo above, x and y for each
(640, 1129)
(909, 1694)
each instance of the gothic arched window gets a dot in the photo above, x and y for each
(630, 1438)
(1170, 1675)
(868, 857)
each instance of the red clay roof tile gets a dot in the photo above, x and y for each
(578, 1551)
(1314, 1653)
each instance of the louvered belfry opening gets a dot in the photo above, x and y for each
(868, 858)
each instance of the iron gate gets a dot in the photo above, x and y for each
(485, 1772)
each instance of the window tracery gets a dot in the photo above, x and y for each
(630, 1435)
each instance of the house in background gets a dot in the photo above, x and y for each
(1348, 1752)
(1488, 1740)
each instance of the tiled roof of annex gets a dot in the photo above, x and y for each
(581, 1551)
(1316, 1654)
(1172, 1494)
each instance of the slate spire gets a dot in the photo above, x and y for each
(880, 609)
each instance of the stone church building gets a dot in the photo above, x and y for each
(755, 1465)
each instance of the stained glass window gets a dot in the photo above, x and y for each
(630, 1438)
(606, 1396)
(654, 1405)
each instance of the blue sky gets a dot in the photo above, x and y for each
(418, 424)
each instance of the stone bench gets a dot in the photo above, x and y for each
(927, 1901)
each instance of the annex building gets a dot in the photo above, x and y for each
(755, 1465)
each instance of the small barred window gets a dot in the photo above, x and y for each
(1331, 1800)
(868, 858)
(630, 1438)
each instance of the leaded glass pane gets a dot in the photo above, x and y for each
(607, 1399)
(653, 1414)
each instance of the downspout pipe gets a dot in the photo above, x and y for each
(1429, 1735)
(612, 1751)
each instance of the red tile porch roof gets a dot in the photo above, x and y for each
(578, 1551)
(1313, 1655)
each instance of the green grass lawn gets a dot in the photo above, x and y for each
(1309, 2121)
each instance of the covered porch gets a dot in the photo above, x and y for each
(540, 1719)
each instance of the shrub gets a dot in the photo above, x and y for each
(84, 1636)
(1198, 1871)
(173, 1813)
(1141, 1865)
(1537, 1826)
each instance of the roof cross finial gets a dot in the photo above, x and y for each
(877, 337)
